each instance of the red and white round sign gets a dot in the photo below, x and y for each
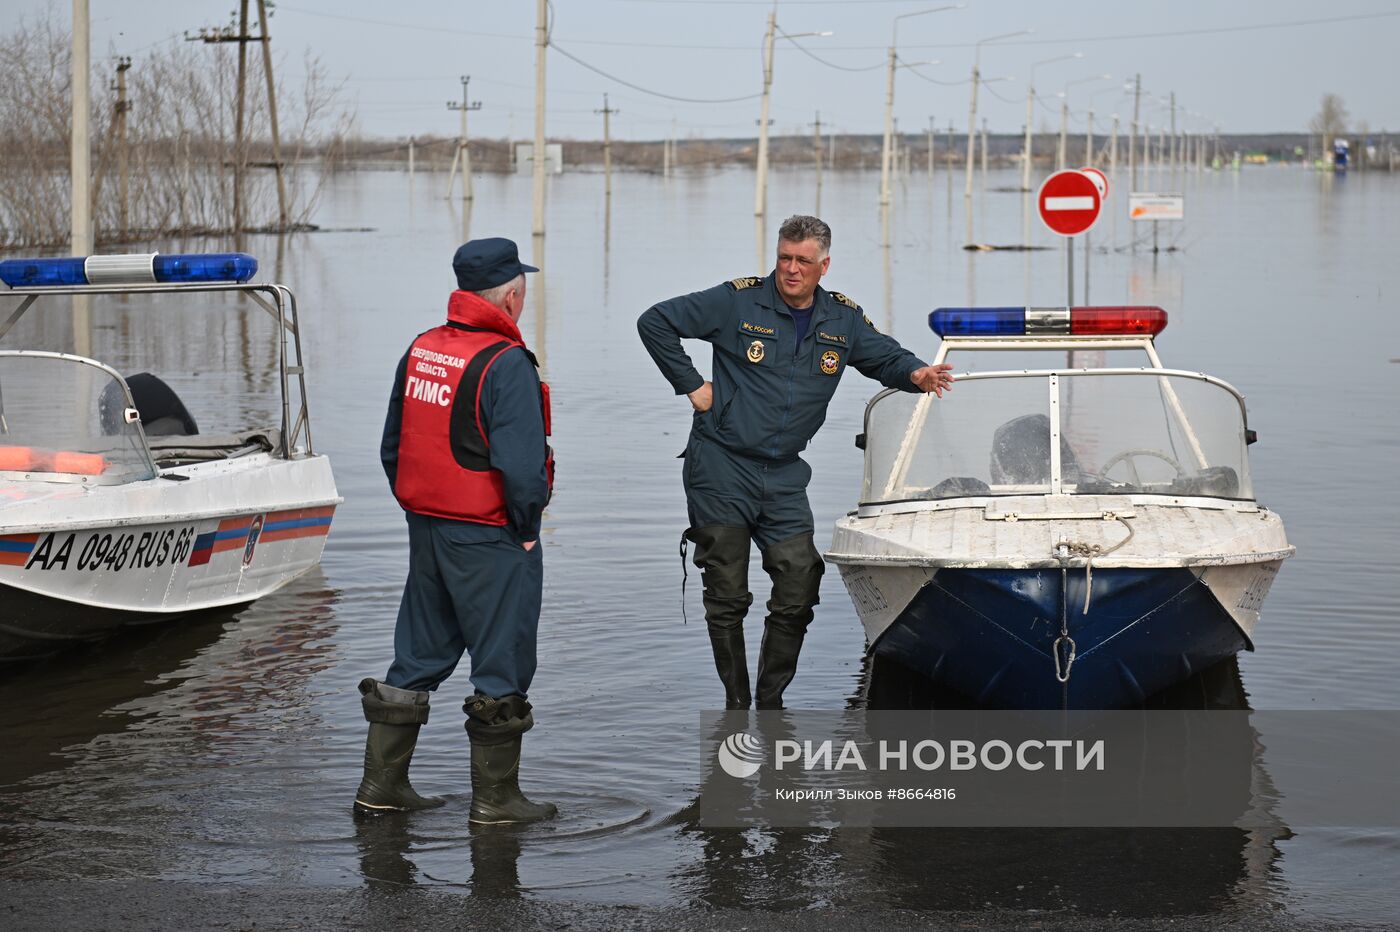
(1099, 179)
(1069, 202)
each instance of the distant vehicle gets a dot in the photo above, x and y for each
(1341, 155)
(114, 508)
(1070, 537)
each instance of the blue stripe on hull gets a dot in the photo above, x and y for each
(989, 634)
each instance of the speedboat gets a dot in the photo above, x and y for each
(114, 508)
(1081, 536)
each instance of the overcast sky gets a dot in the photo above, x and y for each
(1252, 67)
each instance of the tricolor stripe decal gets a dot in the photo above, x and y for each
(16, 548)
(303, 522)
(232, 533)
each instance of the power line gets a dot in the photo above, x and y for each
(830, 64)
(645, 90)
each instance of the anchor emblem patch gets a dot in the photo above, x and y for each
(756, 351)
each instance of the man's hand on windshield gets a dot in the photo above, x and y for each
(933, 378)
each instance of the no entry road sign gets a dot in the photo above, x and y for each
(1069, 202)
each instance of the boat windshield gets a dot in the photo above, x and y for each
(64, 419)
(1122, 432)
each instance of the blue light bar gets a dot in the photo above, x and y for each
(143, 269)
(978, 321)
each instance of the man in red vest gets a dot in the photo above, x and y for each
(466, 454)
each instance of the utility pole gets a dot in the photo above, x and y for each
(971, 137)
(240, 144)
(887, 150)
(984, 151)
(240, 155)
(931, 131)
(672, 143)
(1113, 149)
(541, 43)
(1089, 137)
(1061, 156)
(266, 39)
(1132, 138)
(80, 169)
(122, 106)
(817, 157)
(760, 196)
(1174, 145)
(464, 152)
(607, 146)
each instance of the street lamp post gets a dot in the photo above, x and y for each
(1030, 115)
(1064, 115)
(972, 116)
(886, 150)
(1089, 128)
(760, 197)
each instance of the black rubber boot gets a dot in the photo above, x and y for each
(732, 664)
(394, 717)
(722, 554)
(495, 727)
(496, 796)
(796, 570)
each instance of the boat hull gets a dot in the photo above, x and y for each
(75, 567)
(990, 633)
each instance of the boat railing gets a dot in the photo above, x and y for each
(1057, 383)
(277, 300)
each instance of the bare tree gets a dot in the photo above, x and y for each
(179, 141)
(1330, 121)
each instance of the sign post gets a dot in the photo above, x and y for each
(1069, 204)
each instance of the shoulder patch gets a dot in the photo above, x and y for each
(739, 284)
(845, 300)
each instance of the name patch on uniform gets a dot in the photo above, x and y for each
(831, 337)
(756, 351)
(831, 361)
(739, 284)
(748, 327)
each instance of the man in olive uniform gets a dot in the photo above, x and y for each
(780, 344)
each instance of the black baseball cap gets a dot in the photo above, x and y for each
(486, 263)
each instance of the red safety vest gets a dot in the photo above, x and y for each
(446, 369)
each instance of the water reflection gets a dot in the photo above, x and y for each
(1171, 872)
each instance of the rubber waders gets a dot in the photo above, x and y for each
(722, 554)
(394, 717)
(796, 570)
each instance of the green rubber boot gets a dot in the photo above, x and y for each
(496, 796)
(394, 716)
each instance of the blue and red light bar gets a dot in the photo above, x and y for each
(1047, 321)
(143, 269)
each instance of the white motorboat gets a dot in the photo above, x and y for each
(114, 510)
(1077, 537)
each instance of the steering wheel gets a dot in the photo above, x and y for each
(1128, 455)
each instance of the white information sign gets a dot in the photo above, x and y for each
(1143, 206)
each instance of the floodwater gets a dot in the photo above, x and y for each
(227, 748)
